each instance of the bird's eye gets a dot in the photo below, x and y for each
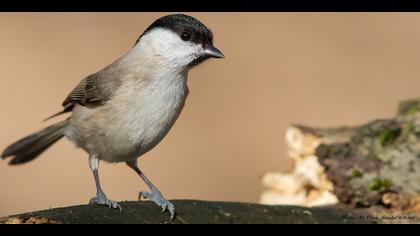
(185, 36)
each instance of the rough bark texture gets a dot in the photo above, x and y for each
(375, 166)
(197, 212)
(379, 165)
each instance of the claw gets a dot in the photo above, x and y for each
(163, 208)
(158, 199)
(172, 215)
(101, 199)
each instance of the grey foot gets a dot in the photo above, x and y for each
(157, 198)
(101, 199)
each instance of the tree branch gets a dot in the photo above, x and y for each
(190, 212)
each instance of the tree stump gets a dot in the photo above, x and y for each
(376, 165)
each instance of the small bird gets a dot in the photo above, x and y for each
(124, 110)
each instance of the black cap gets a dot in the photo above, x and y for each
(180, 23)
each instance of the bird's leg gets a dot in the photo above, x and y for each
(100, 198)
(155, 195)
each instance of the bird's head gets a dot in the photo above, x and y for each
(179, 41)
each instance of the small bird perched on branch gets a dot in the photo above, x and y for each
(126, 109)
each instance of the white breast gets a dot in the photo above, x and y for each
(150, 114)
(145, 117)
(134, 121)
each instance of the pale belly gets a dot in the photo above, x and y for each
(127, 126)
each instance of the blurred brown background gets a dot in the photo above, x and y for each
(320, 69)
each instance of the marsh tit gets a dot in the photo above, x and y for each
(124, 110)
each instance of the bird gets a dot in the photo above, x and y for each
(125, 109)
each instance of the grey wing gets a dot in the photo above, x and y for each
(92, 91)
(87, 93)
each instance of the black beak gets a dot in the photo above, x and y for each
(211, 51)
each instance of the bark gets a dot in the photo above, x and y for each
(371, 165)
(196, 212)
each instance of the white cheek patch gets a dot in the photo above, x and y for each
(170, 47)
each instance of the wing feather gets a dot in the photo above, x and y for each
(92, 91)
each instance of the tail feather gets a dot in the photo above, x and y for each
(30, 147)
